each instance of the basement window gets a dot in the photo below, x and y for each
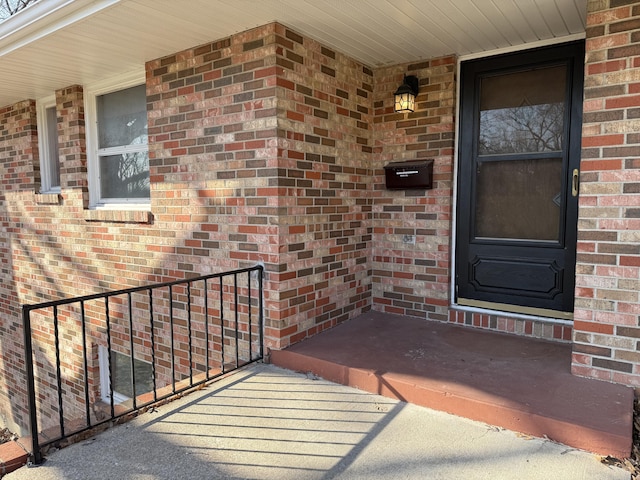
(123, 387)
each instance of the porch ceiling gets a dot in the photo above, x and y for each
(57, 43)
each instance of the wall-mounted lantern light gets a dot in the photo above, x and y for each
(405, 96)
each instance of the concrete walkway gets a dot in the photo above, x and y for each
(264, 422)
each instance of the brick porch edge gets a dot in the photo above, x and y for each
(13, 455)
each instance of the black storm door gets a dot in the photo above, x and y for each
(519, 154)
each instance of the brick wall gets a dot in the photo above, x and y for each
(71, 132)
(213, 160)
(18, 177)
(324, 158)
(607, 308)
(262, 139)
(412, 228)
(213, 156)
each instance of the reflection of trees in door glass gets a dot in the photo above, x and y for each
(528, 128)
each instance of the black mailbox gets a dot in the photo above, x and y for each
(410, 174)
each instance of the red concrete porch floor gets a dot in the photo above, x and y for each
(517, 383)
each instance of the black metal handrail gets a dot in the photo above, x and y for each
(151, 342)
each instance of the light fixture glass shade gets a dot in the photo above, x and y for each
(404, 101)
(405, 96)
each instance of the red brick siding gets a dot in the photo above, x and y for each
(253, 124)
(71, 133)
(213, 155)
(412, 228)
(214, 158)
(508, 324)
(19, 174)
(324, 153)
(607, 306)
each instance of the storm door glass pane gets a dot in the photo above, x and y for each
(519, 199)
(522, 112)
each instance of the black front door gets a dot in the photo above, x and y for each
(519, 154)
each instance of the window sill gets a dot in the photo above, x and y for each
(119, 216)
(48, 198)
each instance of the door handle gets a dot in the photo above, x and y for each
(575, 182)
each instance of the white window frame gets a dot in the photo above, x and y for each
(93, 166)
(46, 155)
(105, 384)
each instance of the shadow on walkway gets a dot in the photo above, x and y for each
(264, 422)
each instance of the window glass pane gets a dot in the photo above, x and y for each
(522, 112)
(122, 118)
(125, 175)
(122, 379)
(53, 162)
(519, 199)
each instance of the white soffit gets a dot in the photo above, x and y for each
(57, 43)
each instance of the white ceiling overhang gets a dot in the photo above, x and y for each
(56, 43)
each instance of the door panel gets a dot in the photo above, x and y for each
(526, 276)
(520, 131)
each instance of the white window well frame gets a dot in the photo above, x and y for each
(48, 155)
(92, 92)
(105, 383)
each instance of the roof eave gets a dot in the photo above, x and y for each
(44, 18)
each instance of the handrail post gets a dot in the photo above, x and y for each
(261, 308)
(36, 454)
